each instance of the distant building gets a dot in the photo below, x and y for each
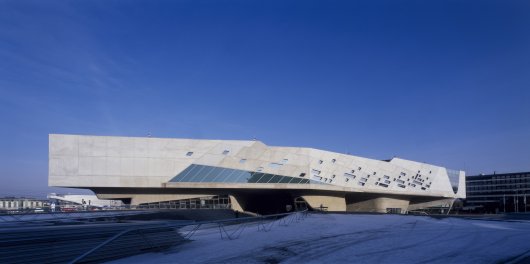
(14, 203)
(76, 200)
(498, 193)
(246, 175)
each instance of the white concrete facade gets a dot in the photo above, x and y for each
(101, 162)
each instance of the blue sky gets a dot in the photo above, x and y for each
(444, 82)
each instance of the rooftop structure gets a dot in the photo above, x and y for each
(255, 177)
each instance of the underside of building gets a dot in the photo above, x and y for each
(246, 176)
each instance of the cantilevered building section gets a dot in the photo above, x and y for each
(253, 176)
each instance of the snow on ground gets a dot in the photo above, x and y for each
(338, 238)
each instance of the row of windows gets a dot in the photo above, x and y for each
(496, 192)
(13, 204)
(202, 173)
(519, 180)
(472, 179)
(498, 186)
(212, 202)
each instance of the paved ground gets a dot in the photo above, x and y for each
(334, 238)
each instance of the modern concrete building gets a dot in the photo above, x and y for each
(253, 176)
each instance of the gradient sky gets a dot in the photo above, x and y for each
(443, 82)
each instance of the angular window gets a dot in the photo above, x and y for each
(296, 180)
(316, 172)
(266, 178)
(349, 175)
(320, 161)
(275, 165)
(189, 153)
(255, 177)
(284, 161)
(333, 160)
(363, 180)
(333, 177)
(225, 152)
(302, 174)
(276, 179)
(259, 169)
(304, 181)
(242, 161)
(285, 179)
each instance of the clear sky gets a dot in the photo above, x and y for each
(443, 82)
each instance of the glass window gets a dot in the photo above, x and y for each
(215, 174)
(266, 178)
(225, 175)
(222, 173)
(189, 153)
(255, 177)
(304, 181)
(190, 173)
(275, 179)
(209, 176)
(233, 176)
(296, 180)
(320, 161)
(302, 174)
(192, 176)
(242, 161)
(203, 174)
(245, 176)
(179, 176)
(225, 152)
(285, 179)
(275, 165)
(349, 175)
(239, 176)
(284, 161)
